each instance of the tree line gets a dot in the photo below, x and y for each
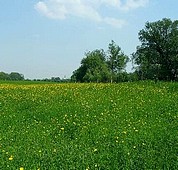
(15, 76)
(155, 59)
(99, 66)
(12, 76)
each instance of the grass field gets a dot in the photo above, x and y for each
(126, 126)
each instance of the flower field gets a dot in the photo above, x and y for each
(89, 126)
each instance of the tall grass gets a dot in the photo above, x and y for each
(89, 126)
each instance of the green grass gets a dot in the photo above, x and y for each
(89, 126)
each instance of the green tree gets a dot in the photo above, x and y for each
(157, 56)
(93, 68)
(16, 76)
(55, 79)
(116, 61)
(4, 76)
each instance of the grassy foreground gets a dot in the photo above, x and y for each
(89, 126)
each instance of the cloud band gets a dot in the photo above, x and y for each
(87, 9)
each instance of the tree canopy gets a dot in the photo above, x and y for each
(12, 76)
(117, 60)
(97, 66)
(93, 68)
(157, 56)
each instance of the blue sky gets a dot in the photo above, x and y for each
(50, 37)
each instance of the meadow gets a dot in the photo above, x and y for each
(127, 126)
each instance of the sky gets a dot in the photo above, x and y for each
(49, 38)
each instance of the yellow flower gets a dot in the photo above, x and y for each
(21, 168)
(62, 128)
(95, 150)
(11, 158)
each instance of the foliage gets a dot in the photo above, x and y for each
(98, 67)
(4, 76)
(12, 76)
(16, 76)
(157, 57)
(89, 126)
(52, 79)
(117, 60)
(93, 68)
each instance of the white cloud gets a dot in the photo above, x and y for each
(51, 9)
(87, 9)
(60, 9)
(114, 22)
(133, 4)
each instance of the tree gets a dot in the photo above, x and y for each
(117, 60)
(55, 79)
(4, 76)
(98, 67)
(157, 56)
(93, 68)
(16, 76)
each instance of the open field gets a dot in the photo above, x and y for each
(89, 126)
